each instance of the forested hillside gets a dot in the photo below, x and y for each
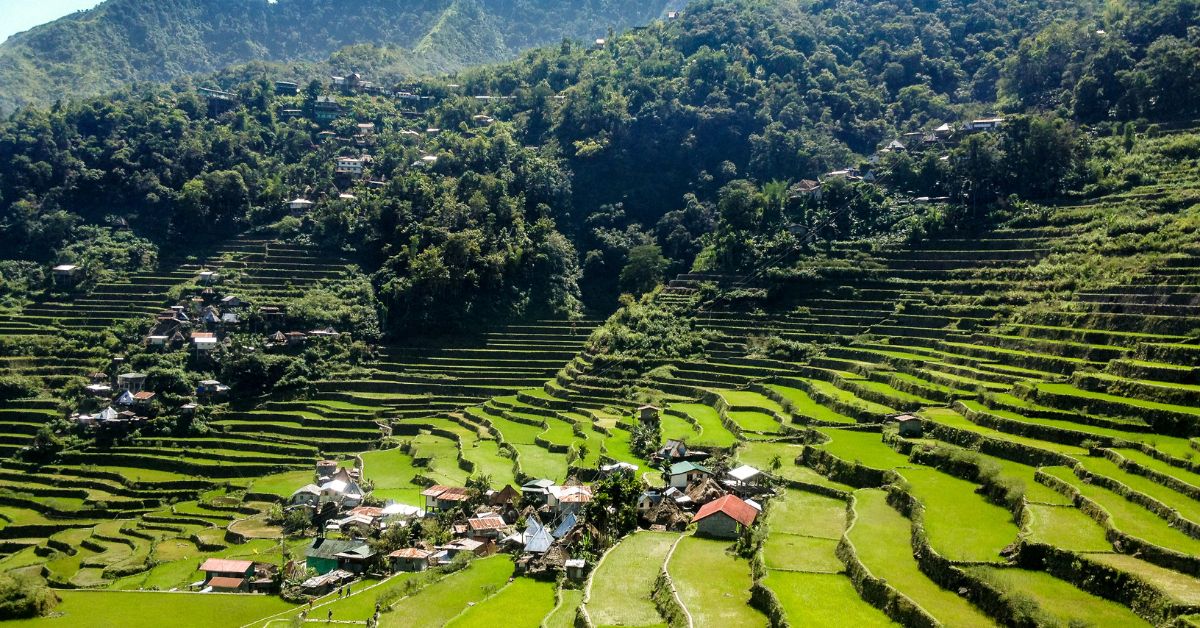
(123, 41)
(671, 147)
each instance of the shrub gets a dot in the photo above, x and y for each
(16, 387)
(23, 595)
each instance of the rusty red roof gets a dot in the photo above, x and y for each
(410, 552)
(222, 582)
(144, 395)
(732, 506)
(435, 490)
(486, 523)
(225, 565)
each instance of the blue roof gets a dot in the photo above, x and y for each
(563, 528)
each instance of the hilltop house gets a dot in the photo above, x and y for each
(299, 205)
(538, 490)
(286, 88)
(488, 526)
(725, 517)
(352, 166)
(327, 109)
(569, 499)
(131, 382)
(65, 275)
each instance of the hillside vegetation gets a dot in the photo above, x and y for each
(125, 41)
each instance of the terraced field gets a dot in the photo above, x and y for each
(1054, 478)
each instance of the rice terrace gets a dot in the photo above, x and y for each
(598, 314)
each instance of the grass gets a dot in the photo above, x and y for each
(713, 433)
(1184, 589)
(1072, 391)
(805, 406)
(866, 448)
(1065, 527)
(881, 537)
(523, 602)
(950, 418)
(437, 603)
(149, 610)
(1128, 517)
(816, 599)
(563, 615)
(961, 524)
(800, 512)
(1154, 464)
(1057, 598)
(282, 484)
(751, 399)
(754, 421)
(713, 585)
(622, 584)
(793, 552)
(1187, 507)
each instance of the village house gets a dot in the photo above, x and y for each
(909, 426)
(308, 495)
(143, 400)
(672, 451)
(286, 88)
(326, 109)
(576, 569)
(398, 514)
(537, 490)
(446, 553)
(568, 499)
(344, 493)
(506, 496)
(204, 342)
(984, 124)
(648, 413)
(65, 275)
(352, 166)
(536, 539)
(131, 382)
(227, 576)
(684, 473)
(439, 498)
(326, 555)
(299, 205)
(326, 469)
(409, 559)
(489, 526)
(725, 517)
(295, 338)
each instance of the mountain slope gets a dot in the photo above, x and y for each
(120, 41)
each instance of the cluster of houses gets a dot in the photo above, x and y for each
(722, 505)
(914, 142)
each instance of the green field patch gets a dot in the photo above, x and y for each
(751, 399)
(866, 448)
(282, 484)
(763, 455)
(754, 421)
(712, 432)
(621, 586)
(1058, 599)
(1129, 517)
(882, 540)
(149, 610)
(1065, 527)
(1154, 464)
(713, 584)
(809, 514)
(563, 615)
(1182, 588)
(437, 603)
(792, 552)
(523, 602)
(1187, 507)
(805, 406)
(950, 418)
(961, 524)
(823, 600)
